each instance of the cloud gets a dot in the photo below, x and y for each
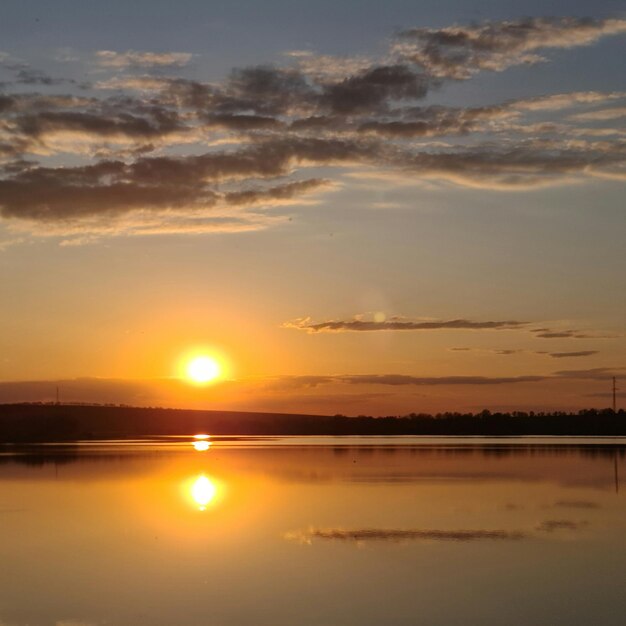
(601, 115)
(153, 124)
(132, 58)
(173, 147)
(351, 394)
(512, 351)
(398, 380)
(400, 535)
(371, 89)
(398, 323)
(277, 194)
(459, 51)
(173, 183)
(327, 68)
(596, 373)
(559, 101)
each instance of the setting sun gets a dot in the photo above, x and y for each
(203, 369)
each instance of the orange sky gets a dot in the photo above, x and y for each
(407, 224)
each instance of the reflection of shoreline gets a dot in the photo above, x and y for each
(42, 453)
(326, 461)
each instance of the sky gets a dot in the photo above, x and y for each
(355, 207)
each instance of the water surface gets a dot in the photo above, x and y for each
(313, 531)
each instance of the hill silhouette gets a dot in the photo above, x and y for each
(51, 422)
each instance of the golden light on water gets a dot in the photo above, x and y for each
(203, 491)
(201, 445)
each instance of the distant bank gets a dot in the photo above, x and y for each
(51, 422)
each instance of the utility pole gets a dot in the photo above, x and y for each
(58, 396)
(614, 395)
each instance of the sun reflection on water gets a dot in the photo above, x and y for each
(201, 446)
(201, 442)
(203, 491)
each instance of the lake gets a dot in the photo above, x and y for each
(316, 531)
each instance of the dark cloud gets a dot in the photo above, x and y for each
(24, 74)
(163, 182)
(512, 351)
(276, 193)
(371, 89)
(357, 325)
(243, 122)
(155, 123)
(50, 194)
(400, 535)
(265, 90)
(521, 166)
(397, 380)
(436, 120)
(156, 143)
(596, 373)
(458, 51)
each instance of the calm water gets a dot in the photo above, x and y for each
(313, 531)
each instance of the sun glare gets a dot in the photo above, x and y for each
(201, 445)
(203, 490)
(203, 369)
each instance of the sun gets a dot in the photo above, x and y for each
(203, 369)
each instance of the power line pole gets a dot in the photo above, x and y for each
(58, 396)
(614, 395)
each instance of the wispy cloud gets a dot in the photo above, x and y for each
(133, 58)
(380, 322)
(399, 324)
(600, 115)
(399, 380)
(459, 51)
(401, 535)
